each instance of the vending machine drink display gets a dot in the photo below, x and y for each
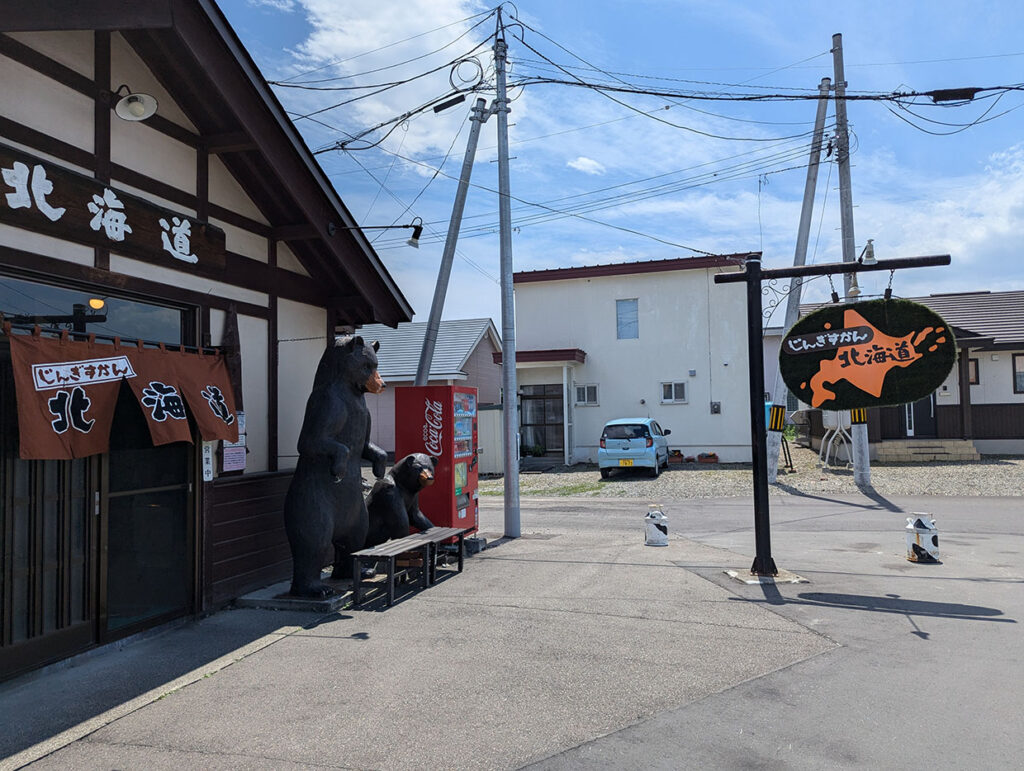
(442, 421)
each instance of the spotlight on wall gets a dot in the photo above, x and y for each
(97, 303)
(134, 107)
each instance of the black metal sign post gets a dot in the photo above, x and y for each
(763, 564)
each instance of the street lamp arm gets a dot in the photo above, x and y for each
(828, 268)
(414, 240)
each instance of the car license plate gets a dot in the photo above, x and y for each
(625, 462)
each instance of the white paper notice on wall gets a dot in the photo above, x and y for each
(240, 416)
(233, 455)
(208, 449)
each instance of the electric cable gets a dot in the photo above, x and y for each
(488, 14)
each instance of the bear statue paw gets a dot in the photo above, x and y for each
(317, 591)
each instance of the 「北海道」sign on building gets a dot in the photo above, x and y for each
(867, 354)
(41, 196)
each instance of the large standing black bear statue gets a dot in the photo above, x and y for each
(393, 503)
(324, 506)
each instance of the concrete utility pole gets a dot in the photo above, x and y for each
(510, 413)
(477, 118)
(859, 431)
(779, 390)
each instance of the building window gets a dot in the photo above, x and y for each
(792, 403)
(1018, 373)
(627, 320)
(972, 371)
(673, 393)
(541, 426)
(586, 395)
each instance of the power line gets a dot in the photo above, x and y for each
(487, 15)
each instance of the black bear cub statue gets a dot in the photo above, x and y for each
(393, 503)
(324, 507)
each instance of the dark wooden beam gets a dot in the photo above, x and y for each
(101, 125)
(273, 364)
(202, 185)
(27, 16)
(964, 366)
(298, 232)
(37, 266)
(234, 142)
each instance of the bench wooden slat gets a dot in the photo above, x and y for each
(399, 545)
(426, 541)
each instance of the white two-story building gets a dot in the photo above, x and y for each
(635, 339)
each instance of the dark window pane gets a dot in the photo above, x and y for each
(30, 302)
(553, 438)
(552, 410)
(630, 431)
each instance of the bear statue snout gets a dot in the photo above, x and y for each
(426, 478)
(375, 384)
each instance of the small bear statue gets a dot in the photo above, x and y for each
(393, 503)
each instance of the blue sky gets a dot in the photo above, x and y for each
(738, 190)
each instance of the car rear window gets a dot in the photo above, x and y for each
(631, 431)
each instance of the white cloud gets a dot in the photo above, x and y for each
(278, 5)
(586, 165)
(359, 44)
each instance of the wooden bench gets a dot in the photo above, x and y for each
(425, 544)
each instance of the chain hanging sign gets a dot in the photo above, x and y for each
(41, 196)
(867, 354)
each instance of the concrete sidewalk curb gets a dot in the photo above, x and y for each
(83, 729)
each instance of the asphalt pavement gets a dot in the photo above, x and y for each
(577, 646)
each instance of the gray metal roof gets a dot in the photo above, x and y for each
(399, 353)
(999, 315)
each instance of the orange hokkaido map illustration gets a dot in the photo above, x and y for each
(866, 366)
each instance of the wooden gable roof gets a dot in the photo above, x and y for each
(192, 50)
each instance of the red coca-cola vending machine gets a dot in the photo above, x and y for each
(441, 421)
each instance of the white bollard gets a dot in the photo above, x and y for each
(922, 538)
(657, 527)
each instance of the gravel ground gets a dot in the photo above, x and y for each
(991, 476)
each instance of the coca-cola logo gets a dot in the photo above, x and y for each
(433, 415)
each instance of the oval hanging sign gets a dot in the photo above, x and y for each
(867, 354)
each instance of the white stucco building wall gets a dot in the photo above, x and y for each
(690, 331)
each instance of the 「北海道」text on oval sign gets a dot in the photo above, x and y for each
(867, 354)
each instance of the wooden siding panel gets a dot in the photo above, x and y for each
(998, 421)
(947, 422)
(890, 425)
(247, 546)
